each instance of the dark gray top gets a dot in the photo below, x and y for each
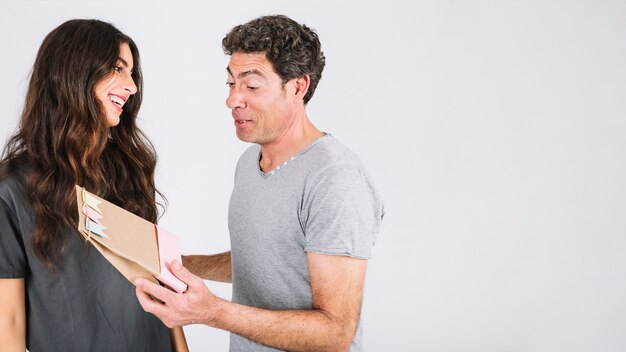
(87, 305)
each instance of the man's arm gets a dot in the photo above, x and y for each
(337, 289)
(215, 267)
(12, 315)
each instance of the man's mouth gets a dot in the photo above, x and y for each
(240, 120)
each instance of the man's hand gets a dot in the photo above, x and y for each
(196, 305)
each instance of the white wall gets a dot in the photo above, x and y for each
(494, 130)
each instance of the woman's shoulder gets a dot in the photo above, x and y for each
(12, 184)
(13, 197)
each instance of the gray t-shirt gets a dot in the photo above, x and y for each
(87, 305)
(321, 200)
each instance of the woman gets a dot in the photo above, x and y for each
(78, 127)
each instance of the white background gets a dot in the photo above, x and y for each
(494, 130)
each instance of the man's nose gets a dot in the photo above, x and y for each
(234, 100)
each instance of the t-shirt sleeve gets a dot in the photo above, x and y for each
(12, 257)
(342, 212)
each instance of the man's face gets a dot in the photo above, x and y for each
(259, 101)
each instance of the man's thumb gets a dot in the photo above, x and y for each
(180, 271)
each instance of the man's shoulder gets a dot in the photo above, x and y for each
(252, 149)
(251, 153)
(331, 152)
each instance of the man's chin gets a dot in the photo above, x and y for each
(244, 137)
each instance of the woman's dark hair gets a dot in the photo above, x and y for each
(293, 49)
(63, 140)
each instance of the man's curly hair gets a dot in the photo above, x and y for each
(293, 49)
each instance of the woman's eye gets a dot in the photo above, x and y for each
(253, 88)
(230, 84)
(117, 69)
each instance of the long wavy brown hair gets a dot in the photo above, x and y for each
(63, 140)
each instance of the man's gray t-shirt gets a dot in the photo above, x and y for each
(321, 200)
(86, 305)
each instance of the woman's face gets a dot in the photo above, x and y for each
(116, 87)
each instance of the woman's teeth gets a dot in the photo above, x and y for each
(116, 100)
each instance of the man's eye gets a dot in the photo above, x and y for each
(230, 84)
(253, 88)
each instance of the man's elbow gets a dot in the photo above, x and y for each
(343, 345)
(344, 334)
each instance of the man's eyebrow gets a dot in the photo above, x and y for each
(254, 71)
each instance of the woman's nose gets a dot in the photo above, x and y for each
(129, 85)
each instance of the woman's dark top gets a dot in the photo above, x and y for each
(86, 305)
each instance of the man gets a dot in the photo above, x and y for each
(303, 214)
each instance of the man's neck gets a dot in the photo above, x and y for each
(288, 145)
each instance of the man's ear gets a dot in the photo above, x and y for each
(301, 85)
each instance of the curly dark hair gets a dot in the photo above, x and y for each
(293, 49)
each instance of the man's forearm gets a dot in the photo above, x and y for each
(215, 267)
(330, 324)
(293, 330)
